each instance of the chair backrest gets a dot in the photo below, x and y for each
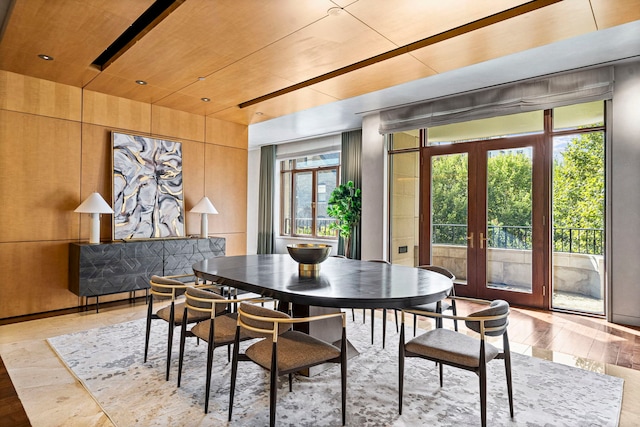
(492, 327)
(262, 322)
(165, 287)
(200, 299)
(438, 269)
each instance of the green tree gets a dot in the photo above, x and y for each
(509, 198)
(449, 189)
(578, 183)
(449, 200)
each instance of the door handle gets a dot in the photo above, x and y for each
(482, 240)
(470, 240)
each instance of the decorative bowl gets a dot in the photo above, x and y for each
(309, 256)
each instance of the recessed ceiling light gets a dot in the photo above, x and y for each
(201, 78)
(206, 99)
(45, 57)
(334, 11)
(259, 113)
(141, 82)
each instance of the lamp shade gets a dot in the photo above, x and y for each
(204, 206)
(94, 204)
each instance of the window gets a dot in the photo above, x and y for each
(307, 183)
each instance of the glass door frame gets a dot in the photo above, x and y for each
(477, 221)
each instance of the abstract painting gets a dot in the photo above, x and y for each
(148, 199)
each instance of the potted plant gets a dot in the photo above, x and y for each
(345, 205)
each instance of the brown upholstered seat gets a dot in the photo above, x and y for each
(165, 314)
(283, 350)
(295, 349)
(225, 328)
(447, 347)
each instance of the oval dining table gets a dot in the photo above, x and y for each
(340, 283)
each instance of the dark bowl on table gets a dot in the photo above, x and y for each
(307, 253)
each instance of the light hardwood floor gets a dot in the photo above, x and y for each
(39, 377)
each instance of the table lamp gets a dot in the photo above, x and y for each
(204, 207)
(94, 205)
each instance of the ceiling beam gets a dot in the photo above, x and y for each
(149, 19)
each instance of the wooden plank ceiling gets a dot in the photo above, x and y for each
(257, 60)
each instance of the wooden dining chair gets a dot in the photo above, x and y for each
(439, 306)
(456, 349)
(284, 351)
(168, 288)
(217, 330)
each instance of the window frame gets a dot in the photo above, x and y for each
(293, 171)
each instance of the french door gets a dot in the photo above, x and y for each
(484, 216)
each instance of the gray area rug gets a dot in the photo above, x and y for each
(109, 362)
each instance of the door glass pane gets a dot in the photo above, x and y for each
(449, 213)
(326, 184)
(302, 208)
(509, 213)
(578, 222)
(405, 208)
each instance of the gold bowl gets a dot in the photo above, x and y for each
(309, 256)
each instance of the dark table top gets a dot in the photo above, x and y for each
(341, 282)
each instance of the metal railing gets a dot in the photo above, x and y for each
(570, 240)
(303, 227)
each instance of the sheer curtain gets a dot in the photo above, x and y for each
(266, 238)
(351, 170)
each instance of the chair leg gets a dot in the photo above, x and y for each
(415, 324)
(395, 313)
(234, 371)
(210, 347)
(364, 315)
(507, 367)
(483, 395)
(273, 385)
(440, 366)
(455, 313)
(483, 385)
(384, 325)
(183, 338)
(148, 333)
(353, 314)
(400, 368)
(343, 375)
(290, 383)
(172, 325)
(372, 317)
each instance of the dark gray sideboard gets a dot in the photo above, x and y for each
(111, 268)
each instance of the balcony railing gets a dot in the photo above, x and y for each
(570, 240)
(303, 227)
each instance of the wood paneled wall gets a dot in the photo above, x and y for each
(55, 149)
